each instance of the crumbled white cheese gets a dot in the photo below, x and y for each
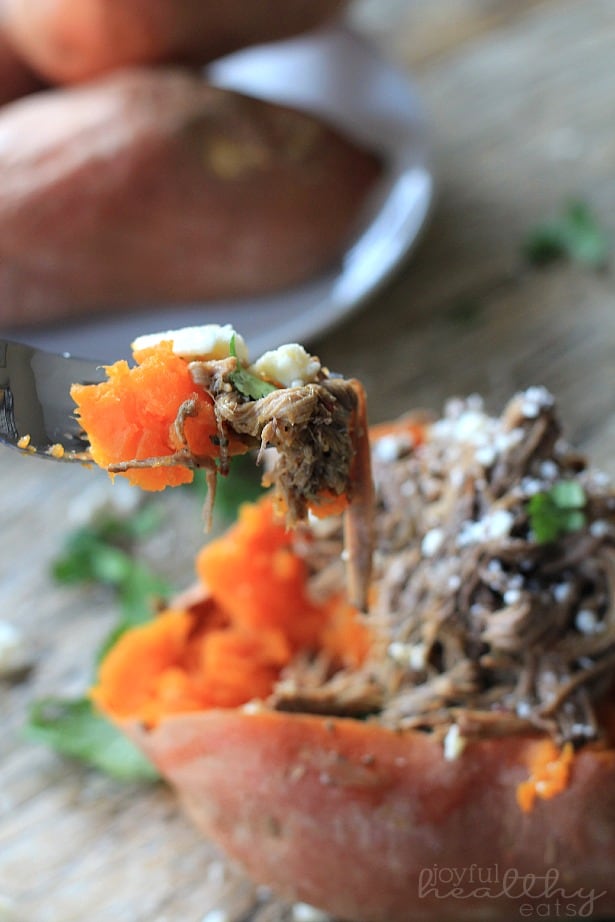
(600, 479)
(561, 591)
(475, 402)
(254, 706)
(549, 470)
(587, 622)
(512, 596)
(15, 654)
(523, 709)
(432, 542)
(535, 399)
(210, 341)
(398, 651)
(413, 655)
(387, 449)
(216, 915)
(290, 366)
(303, 912)
(599, 529)
(465, 423)
(454, 743)
(504, 441)
(486, 455)
(496, 524)
(531, 485)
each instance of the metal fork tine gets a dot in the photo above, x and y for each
(36, 410)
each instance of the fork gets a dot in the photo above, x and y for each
(36, 410)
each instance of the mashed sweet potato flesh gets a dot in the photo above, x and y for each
(132, 416)
(257, 617)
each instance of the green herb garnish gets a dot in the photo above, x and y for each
(245, 382)
(557, 511)
(575, 235)
(75, 729)
(103, 553)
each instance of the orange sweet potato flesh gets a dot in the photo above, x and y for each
(150, 187)
(228, 645)
(367, 823)
(72, 40)
(131, 415)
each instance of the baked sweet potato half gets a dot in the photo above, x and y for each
(376, 825)
(451, 754)
(150, 187)
(72, 40)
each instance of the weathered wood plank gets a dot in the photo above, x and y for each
(521, 100)
(421, 32)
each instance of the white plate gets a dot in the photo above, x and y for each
(336, 74)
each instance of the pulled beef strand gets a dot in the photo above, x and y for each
(484, 625)
(319, 433)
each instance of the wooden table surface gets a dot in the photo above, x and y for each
(521, 98)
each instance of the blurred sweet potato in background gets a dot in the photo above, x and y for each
(71, 40)
(148, 186)
(16, 77)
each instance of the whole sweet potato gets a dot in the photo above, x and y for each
(149, 186)
(70, 40)
(16, 77)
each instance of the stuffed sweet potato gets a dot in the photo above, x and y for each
(151, 187)
(450, 755)
(72, 40)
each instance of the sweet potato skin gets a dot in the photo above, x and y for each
(16, 77)
(358, 820)
(72, 40)
(150, 187)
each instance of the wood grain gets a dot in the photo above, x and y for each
(520, 97)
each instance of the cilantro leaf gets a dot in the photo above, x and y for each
(575, 235)
(90, 556)
(245, 382)
(140, 595)
(102, 553)
(557, 511)
(75, 729)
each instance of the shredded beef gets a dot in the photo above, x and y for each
(477, 621)
(318, 432)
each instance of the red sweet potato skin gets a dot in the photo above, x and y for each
(72, 40)
(376, 826)
(16, 77)
(150, 187)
